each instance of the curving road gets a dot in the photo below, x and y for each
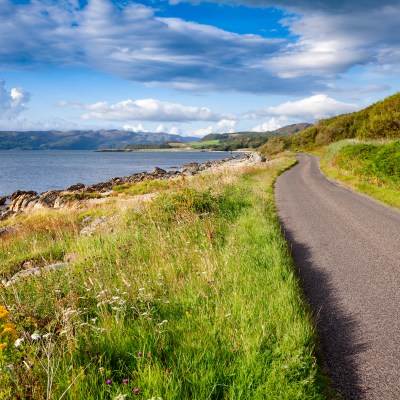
(347, 249)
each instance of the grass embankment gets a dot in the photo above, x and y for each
(192, 296)
(371, 168)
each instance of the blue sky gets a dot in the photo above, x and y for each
(193, 67)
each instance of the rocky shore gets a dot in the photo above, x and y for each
(20, 200)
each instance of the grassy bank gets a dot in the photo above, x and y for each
(372, 168)
(189, 296)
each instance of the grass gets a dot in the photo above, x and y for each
(205, 144)
(192, 296)
(370, 167)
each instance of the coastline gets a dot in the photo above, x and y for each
(20, 200)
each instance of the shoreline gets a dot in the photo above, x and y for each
(20, 200)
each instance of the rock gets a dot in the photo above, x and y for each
(158, 171)
(90, 229)
(71, 257)
(77, 186)
(5, 214)
(3, 201)
(257, 157)
(21, 200)
(7, 230)
(33, 272)
(19, 193)
(48, 199)
(86, 220)
(28, 265)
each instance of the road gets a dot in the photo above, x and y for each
(347, 250)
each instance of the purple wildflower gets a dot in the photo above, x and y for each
(136, 390)
(126, 380)
(108, 381)
(140, 354)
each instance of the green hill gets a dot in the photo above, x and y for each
(378, 121)
(241, 140)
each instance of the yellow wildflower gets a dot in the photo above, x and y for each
(9, 328)
(4, 314)
(3, 346)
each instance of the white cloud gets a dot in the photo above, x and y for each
(135, 128)
(311, 108)
(148, 110)
(223, 126)
(268, 126)
(12, 102)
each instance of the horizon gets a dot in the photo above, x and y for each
(192, 68)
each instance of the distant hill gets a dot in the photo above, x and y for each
(241, 140)
(378, 121)
(83, 140)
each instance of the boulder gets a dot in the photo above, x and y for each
(3, 201)
(77, 186)
(48, 199)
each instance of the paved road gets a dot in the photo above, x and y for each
(347, 249)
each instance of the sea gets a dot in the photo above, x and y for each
(57, 169)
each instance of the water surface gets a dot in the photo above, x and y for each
(58, 169)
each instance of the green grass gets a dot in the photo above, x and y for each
(145, 187)
(205, 144)
(192, 296)
(372, 168)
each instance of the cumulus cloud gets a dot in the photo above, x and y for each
(148, 110)
(270, 125)
(310, 109)
(223, 126)
(12, 102)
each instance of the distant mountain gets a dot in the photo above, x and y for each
(246, 140)
(83, 140)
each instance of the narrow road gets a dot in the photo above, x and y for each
(347, 250)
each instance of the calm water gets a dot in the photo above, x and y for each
(46, 170)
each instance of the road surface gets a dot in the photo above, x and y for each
(347, 250)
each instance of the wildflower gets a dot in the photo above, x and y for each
(35, 336)
(125, 380)
(139, 354)
(47, 335)
(4, 313)
(136, 390)
(120, 397)
(108, 381)
(18, 342)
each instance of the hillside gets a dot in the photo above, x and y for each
(378, 121)
(240, 140)
(83, 140)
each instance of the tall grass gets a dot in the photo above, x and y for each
(190, 297)
(370, 167)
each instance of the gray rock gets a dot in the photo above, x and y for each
(32, 272)
(48, 199)
(77, 186)
(7, 230)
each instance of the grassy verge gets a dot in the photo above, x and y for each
(192, 296)
(372, 168)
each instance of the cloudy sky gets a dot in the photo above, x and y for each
(190, 66)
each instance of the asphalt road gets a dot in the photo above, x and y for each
(347, 249)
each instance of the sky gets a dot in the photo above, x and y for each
(193, 67)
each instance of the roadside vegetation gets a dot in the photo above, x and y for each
(192, 295)
(361, 149)
(372, 168)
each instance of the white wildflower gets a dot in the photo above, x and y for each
(35, 336)
(18, 342)
(120, 397)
